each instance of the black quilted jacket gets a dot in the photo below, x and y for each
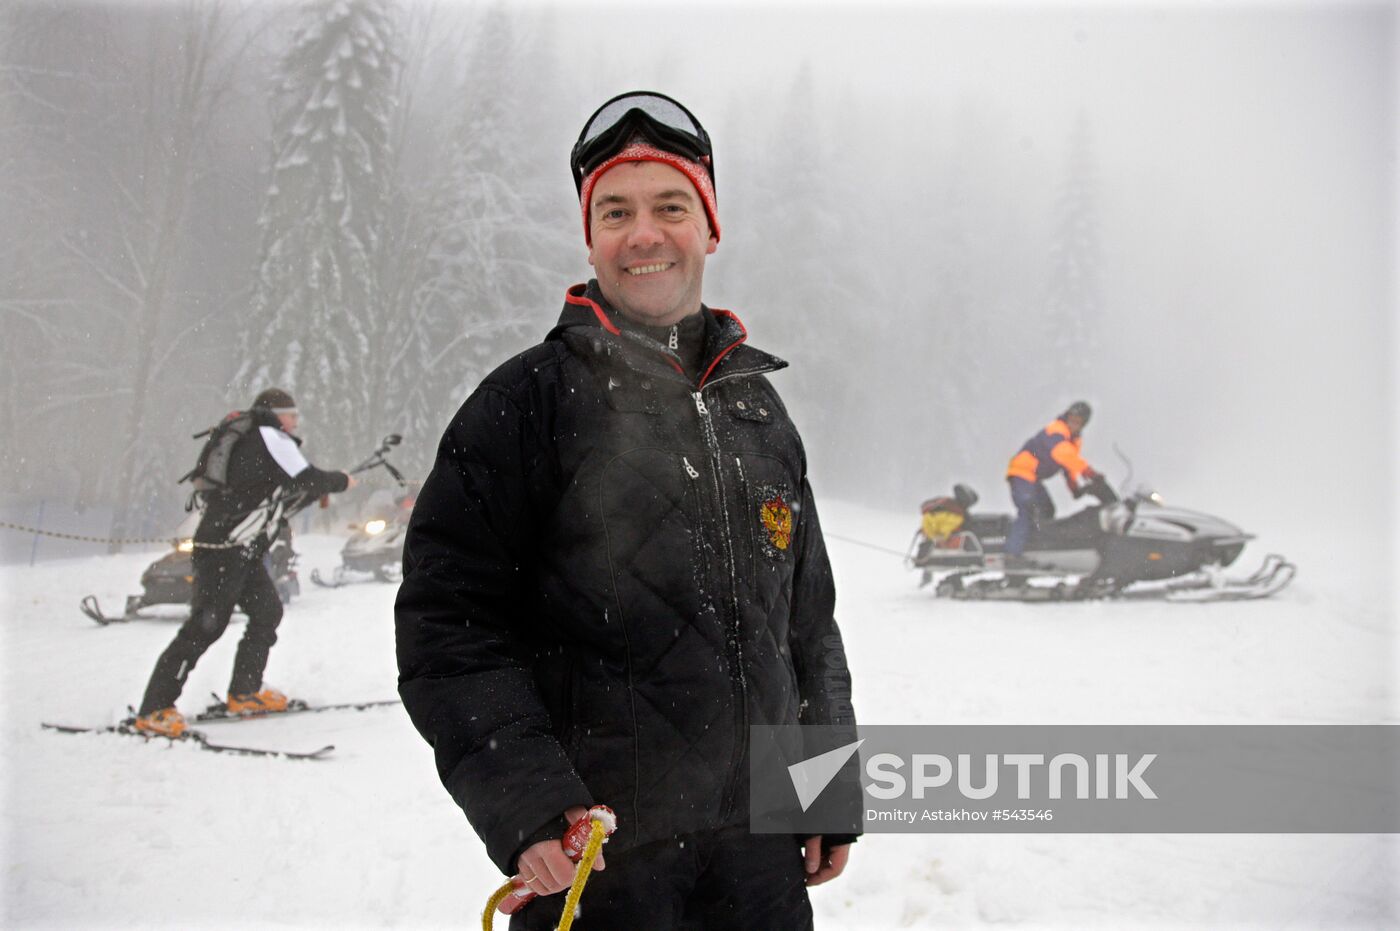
(610, 573)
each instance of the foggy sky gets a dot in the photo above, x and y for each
(1245, 161)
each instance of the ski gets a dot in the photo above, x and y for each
(218, 712)
(195, 738)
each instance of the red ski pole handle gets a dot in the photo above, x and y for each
(575, 841)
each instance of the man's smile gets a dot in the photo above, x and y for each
(649, 269)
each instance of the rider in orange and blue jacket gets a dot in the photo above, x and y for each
(1054, 449)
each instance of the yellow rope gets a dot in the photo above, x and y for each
(596, 835)
(585, 866)
(497, 898)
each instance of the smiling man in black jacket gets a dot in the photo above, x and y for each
(615, 567)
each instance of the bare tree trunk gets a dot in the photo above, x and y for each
(168, 196)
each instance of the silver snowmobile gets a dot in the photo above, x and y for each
(1134, 547)
(374, 550)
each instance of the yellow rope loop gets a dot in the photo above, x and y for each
(597, 834)
(497, 898)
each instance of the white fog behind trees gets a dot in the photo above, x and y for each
(951, 220)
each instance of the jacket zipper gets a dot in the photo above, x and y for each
(733, 639)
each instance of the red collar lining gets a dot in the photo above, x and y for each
(575, 296)
(743, 335)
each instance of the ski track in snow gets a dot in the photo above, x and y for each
(101, 831)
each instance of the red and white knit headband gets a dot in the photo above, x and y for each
(642, 152)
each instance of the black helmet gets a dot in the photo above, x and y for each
(1078, 409)
(965, 496)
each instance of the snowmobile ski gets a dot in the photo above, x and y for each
(134, 604)
(1205, 585)
(1270, 578)
(344, 575)
(337, 579)
(92, 609)
(218, 712)
(195, 738)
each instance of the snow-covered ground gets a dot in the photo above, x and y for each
(102, 831)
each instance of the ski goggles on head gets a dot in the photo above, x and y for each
(655, 117)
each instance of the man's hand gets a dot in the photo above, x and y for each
(351, 481)
(544, 868)
(819, 868)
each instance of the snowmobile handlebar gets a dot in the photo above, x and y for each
(1099, 488)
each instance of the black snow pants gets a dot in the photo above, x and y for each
(722, 880)
(223, 579)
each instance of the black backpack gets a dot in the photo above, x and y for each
(210, 474)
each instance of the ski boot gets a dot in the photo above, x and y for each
(167, 722)
(266, 701)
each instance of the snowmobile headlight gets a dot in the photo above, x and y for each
(185, 546)
(375, 527)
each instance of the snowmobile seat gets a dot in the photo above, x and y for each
(990, 529)
(1078, 531)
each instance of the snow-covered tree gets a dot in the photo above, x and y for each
(486, 258)
(317, 313)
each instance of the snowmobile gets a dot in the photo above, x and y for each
(170, 579)
(1136, 547)
(374, 550)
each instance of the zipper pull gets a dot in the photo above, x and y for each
(675, 342)
(689, 469)
(700, 405)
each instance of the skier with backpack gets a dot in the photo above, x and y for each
(250, 471)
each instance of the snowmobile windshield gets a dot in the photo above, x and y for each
(660, 120)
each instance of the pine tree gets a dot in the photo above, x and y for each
(317, 317)
(787, 248)
(1073, 306)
